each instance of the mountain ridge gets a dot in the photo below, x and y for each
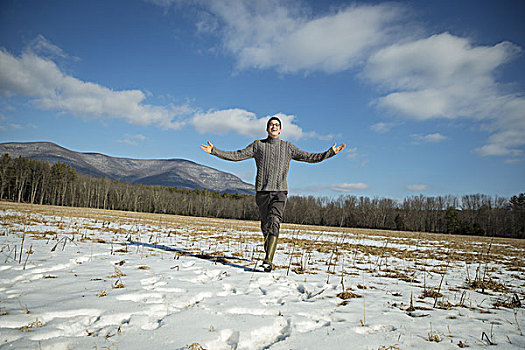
(173, 172)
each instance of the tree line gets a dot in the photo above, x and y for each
(38, 182)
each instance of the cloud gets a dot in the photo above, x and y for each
(358, 158)
(342, 187)
(382, 127)
(40, 78)
(165, 3)
(351, 153)
(445, 76)
(133, 140)
(361, 164)
(229, 120)
(16, 126)
(417, 188)
(435, 137)
(439, 76)
(346, 187)
(245, 123)
(507, 131)
(514, 160)
(44, 48)
(287, 37)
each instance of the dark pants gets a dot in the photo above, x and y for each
(271, 209)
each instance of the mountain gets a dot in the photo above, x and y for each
(179, 173)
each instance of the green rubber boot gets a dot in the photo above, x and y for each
(266, 241)
(271, 245)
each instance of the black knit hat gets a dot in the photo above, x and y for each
(274, 118)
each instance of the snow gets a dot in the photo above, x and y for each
(93, 279)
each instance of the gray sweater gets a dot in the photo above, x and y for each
(272, 158)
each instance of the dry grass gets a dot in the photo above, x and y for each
(118, 285)
(102, 293)
(430, 293)
(30, 326)
(462, 345)
(433, 336)
(347, 294)
(118, 273)
(509, 301)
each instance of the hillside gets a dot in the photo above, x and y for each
(179, 173)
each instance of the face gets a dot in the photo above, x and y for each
(274, 129)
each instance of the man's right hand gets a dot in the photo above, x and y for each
(338, 148)
(208, 148)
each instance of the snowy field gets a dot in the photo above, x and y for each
(73, 278)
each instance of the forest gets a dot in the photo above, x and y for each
(38, 182)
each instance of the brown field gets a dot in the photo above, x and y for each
(488, 263)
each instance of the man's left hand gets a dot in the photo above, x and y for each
(339, 148)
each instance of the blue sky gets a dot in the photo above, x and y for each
(428, 96)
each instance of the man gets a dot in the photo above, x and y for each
(272, 158)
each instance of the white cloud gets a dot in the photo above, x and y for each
(284, 36)
(342, 187)
(361, 164)
(351, 153)
(44, 48)
(15, 126)
(440, 59)
(133, 140)
(382, 127)
(439, 76)
(417, 187)
(435, 137)
(229, 120)
(508, 130)
(245, 123)
(164, 3)
(445, 76)
(290, 37)
(41, 79)
(514, 160)
(358, 158)
(347, 187)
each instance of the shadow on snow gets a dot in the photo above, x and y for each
(212, 258)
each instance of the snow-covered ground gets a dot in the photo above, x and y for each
(73, 278)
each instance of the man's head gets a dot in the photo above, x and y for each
(273, 127)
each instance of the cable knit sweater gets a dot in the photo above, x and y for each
(272, 158)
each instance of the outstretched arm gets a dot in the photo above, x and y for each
(207, 148)
(235, 156)
(302, 156)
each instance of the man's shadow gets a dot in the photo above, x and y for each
(225, 260)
